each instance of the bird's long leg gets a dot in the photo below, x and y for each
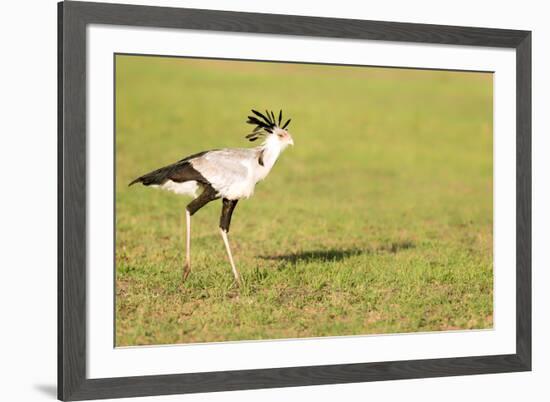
(187, 267)
(209, 194)
(225, 221)
(228, 249)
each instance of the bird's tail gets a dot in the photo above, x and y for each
(178, 172)
(138, 180)
(158, 177)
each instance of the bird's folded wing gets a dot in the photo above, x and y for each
(225, 166)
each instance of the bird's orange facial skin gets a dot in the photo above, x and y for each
(285, 137)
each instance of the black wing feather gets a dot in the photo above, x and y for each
(179, 172)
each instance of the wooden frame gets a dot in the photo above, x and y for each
(73, 18)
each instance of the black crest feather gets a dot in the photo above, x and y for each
(268, 117)
(264, 123)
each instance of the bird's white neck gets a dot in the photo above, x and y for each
(270, 151)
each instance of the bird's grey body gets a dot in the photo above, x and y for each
(232, 172)
(229, 173)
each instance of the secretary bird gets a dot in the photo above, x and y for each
(229, 174)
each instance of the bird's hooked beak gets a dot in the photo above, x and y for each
(288, 138)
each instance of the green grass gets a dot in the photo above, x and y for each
(379, 220)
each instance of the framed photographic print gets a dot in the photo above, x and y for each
(256, 201)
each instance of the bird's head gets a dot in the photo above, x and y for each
(283, 136)
(269, 127)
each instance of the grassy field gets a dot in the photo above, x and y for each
(379, 219)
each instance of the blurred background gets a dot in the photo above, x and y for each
(378, 220)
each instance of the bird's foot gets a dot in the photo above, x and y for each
(238, 282)
(186, 271)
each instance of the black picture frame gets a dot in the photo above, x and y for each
(73, 18)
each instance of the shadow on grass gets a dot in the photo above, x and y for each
(338, 254)
(395, 247)
(314, 255)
